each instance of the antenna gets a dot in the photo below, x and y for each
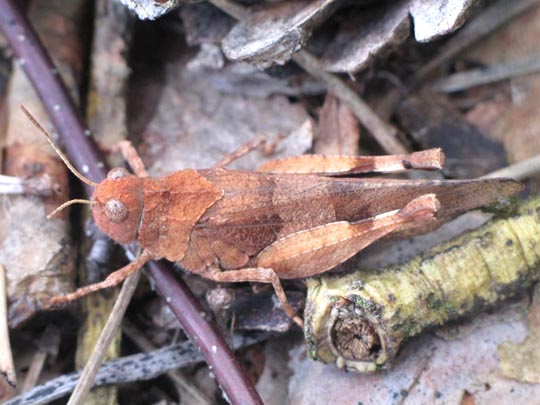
(58, 152)
(67, 204)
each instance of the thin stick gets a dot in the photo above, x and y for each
(518, 171)
(8, 378)
(234, 10)
(41, 186)
(238, 388)
(47, 345)
(475, 77)
(89, 372)
(11, 185)
(36, 367)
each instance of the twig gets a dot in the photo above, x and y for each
(97, 309)
(36, 366)
(86, 157)
(518, 171)
(48, 344)
(137, 367)
(109, 74)
(91, 369)
(491, 19)
(40, 186)
(384, 133)
(464, 80)
(11, 185)
(193, 393)
(8, 379)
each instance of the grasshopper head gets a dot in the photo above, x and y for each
(117, 205)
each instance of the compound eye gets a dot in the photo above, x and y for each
(116, 211)
(117, 173)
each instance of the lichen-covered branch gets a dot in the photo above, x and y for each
(359, 321)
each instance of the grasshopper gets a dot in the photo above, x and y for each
(292, 218)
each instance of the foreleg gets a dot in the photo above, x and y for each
(112, 279)
(133, 158)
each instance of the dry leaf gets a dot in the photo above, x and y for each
(338, 132)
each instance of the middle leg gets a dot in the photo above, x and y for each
(258, 275)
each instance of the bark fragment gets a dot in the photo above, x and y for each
(151, 9)
(272, 33)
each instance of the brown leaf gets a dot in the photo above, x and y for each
(338, 132)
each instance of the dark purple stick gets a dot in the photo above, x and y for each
(85, 155)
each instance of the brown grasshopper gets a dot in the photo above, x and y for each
(292, 218)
